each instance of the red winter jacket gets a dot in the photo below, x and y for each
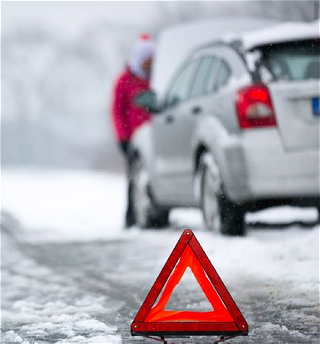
(125, 114)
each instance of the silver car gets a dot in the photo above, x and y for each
(238, 130)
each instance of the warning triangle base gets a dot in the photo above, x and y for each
(224, 319)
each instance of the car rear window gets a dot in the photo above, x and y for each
(298, 60)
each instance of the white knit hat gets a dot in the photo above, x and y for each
(142, 50)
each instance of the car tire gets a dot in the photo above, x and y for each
(219, 213)
(147, 214)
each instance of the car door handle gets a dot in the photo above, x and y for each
(169, 119)
(196, 110)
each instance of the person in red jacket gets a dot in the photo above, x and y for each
(126, 116)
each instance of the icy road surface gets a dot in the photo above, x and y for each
(82, 281)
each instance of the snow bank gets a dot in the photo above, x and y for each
(59, 205)
(284, 255)
(65, 205)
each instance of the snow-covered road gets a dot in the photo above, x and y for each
(70, 274)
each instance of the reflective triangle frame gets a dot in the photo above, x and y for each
(152, 319)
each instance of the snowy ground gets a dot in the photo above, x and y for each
(70, 273)
(60, 206)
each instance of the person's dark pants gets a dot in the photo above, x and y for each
(129, 219)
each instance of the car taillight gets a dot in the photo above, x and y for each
(254, 107)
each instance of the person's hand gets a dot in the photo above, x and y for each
(124, 146)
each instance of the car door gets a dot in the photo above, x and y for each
(167, 135)
(186, 124)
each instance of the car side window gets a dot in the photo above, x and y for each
(180, 87)
(200, 83)
(223, 75)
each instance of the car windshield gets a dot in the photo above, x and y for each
(299, 60)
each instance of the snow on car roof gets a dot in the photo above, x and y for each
(291, 31)
(175, 42)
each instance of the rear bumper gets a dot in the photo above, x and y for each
(259, 168)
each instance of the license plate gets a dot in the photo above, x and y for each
(316, 106)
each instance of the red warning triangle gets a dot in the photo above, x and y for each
(224, 318)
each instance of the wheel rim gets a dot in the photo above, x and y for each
(210, 201)
(141, 199)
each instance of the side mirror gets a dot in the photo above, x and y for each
(147, 100)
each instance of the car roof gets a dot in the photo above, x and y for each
(280, 33)
(287, 32)
(176, 42)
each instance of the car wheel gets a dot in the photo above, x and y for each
(147, 214)
(219, 213)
